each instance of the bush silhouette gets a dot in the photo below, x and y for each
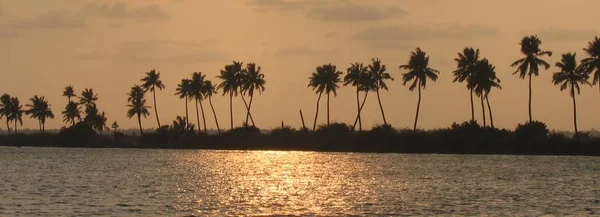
(531, 130)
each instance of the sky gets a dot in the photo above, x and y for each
(109, 45)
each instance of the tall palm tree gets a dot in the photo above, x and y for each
(355, 76)
(198, 94)
(570, 76)
(5, 108)
(150, 83)
(69, 92)
(418, 72)
(16, 112)
(137, 105)
(592, 63)
(39, 109)
(465, 69)
(481, 82)
(378, 75)
(529, 65)
(71, 113)
(209, 90)
(252, 80)
(184, 91)
(230, 83)
(88, 98)
(325, 79)
(100, 123)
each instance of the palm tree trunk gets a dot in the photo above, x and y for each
(472, 107)
(16, 129)
(530, 118)
(139, 116)
(231, 109)
(40, 125)
(203, 118)
(483, 110)
(198, 116)
(43, 127)
(574, 113)
(187, 120)
(247, 111)
(214, 114)
(317, 112)
(155, 108)
(248, 114)
(490, 110)
(358, 108)
(381, 107)
(327, 109)
(8, 126)
(418, 107)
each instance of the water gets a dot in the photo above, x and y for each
(127, 182)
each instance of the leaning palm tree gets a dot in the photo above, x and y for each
(529, 65)
(5, 107)
(481, 82)
(151, 83)
(69, 92)
(39, 109)
(592, 63)
(230, 84)
(71, 113)
(198, 94)
(252, 80)
(378, 75)
(137, 105)
(465, 69)
(184, 91)
(209, 90)
(355, 76)
(570, 76)
(418, 72)
(16, 112)
(325, 79)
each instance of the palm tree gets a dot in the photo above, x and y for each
(69, 92)
(209, 90)
(40, 109)
(418, 72)
(115, 126)
(325, 79)
(151, 82)
(355, 76)
(530, 64)
(252, 80)
(184, 91)
(198, 94)
(378, 75)
(88, 100)
(71, 113)
(137, 105)
(16, 112)
(593, 62)
(481, 83)
(465, 69)
(5, 107)
(570, 76)
(230, 77)
(100, 123)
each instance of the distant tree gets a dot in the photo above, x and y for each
(115, 126)
(150, 83)
(209, 90)
(230, 84)
(465, 69)
(418, 72)
(71, 113)
(251, 80)
(39, 109)
(530, 64)
(592, 63)
(325, 79)
(378, 75)
(198, 94)
(355, 76)
(16, 112)
(88, 98)
(184, 91)
(481, 82)
(69, 92)
(5, 109)
(137, 105)
(570, 76)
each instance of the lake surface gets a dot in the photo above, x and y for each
(129, 182)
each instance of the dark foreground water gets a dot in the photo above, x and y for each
(123, 182)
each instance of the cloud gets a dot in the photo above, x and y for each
(284, 5)
(413, 32)
(89, 56)
(153, 12)
(352, 12)
(560, 34)
(148, 51)
(52, 20)
(305, 51)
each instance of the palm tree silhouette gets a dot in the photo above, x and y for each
(378, 75)
(71, 113)
(252, 80)
(137, 105)
(593, 61)
(198, 93)
(16, 112)
(39, 109)
(530, 64)
(418, 72)
(88, 100)
(209, 90)
(481, 82)
(100, 123)
(230, 83)
(184, 91)
(115, 126)
(325, 79)
(69, 92)
(5, 109)
(355, 76)
(465, 69)
(151, 82)
(570, 76)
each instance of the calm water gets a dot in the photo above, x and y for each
(121, 182)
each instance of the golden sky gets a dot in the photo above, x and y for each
(108, 45)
